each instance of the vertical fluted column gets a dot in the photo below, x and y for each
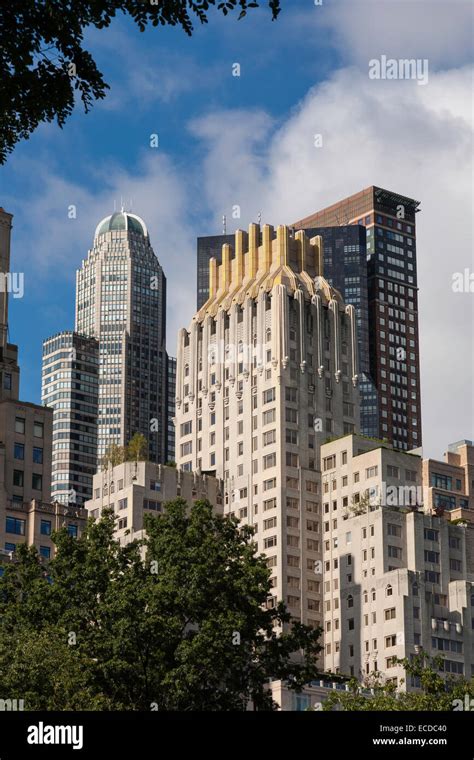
(247, 307)
(333, 307)
(205, 354)
(261, 307)
(220, 349)
(350, 311)
(193, 339)
(233, 343)
(276, 325)
(180, 367)
(318, 313)
(299, 296)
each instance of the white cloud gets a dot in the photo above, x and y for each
(415, 140)
(440, 30)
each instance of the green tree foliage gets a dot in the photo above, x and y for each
(113, 456)
(43, 62)
(177, 621)
(137, 449)
(436, 693)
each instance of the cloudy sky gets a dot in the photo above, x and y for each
(249, 141)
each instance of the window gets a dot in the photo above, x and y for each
(45, 527)
(350, 601)
(394, 530)
(155, 485)
(37, 455)
(269, 416)
(38, 429)
(350, 624)
(389, 590)
(431, 576)
(269, 461)
(431, 534)
(45, 552)
(394, 551)
(186, 428)
(391, 641)
(393, 472)
(431, 556)
(390, 614)
(269, 542)
(7, 381)
(36, 481)
(20, 425)
(455, 564)
(269, 395)
(19, 451)
(329, 462)
(270, 523)
(18, 478)
(269, 437)
(122, 504)
(15, 525)
(371, 472)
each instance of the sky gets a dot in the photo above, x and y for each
(249, 140)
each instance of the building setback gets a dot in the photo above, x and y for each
(265, 372)
(135, 489)
(449, 484)
(390, 225)
(70, 387)
(396, 580)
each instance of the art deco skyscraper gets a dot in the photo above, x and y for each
(121, 301)
(265, 373)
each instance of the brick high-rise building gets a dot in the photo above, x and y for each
(389, 220)
(266, 371)
(26, 516)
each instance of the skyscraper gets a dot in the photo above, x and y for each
(171, 394)
(267, 371)
(389, 220)
(121, 302)
(70, 387)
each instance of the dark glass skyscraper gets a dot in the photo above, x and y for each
(389, 220)
(345, 267)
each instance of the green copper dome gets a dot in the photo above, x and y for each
(122, 220)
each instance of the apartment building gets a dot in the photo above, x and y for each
(396, 580)
(135, 489)
(449, 484)
(265, 372)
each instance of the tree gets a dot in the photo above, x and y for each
(113, 456)
(176, 621)
(43, 61)
(437, 693)
(137, 449)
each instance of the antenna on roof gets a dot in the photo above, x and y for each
(115, 205)
(224, 224)
(121, 203)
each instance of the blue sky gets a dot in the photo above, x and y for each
(248, 140)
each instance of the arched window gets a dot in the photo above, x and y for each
(268, 334)
(366, 597)
(350, 601)
(372, 593)
(186, 370)
(389, 590)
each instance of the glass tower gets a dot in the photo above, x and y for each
(121, 301)
(70, 387)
